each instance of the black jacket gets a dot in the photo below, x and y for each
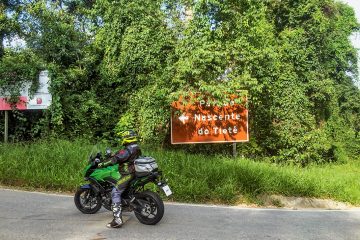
(125, 158)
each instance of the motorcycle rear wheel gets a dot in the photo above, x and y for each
(86, 201)
(151, 208)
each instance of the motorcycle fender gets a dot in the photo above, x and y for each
(90, 186)
(86, 186)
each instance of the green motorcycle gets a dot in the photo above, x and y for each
(146, 204)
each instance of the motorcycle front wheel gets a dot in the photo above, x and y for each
(86, 201)
(150, 208)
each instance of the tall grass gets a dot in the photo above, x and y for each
(58, 164)
(51, 164)
(204, 178)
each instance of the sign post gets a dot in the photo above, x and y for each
(234, 150)
(6, 130)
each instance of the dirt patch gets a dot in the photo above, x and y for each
(303, 202)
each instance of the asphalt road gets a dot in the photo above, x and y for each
(29, 215)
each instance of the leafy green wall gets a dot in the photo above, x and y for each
(119, 64)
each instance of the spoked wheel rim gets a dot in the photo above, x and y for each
(149, 209)
(88, 201)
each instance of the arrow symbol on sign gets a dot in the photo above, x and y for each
(183, 118)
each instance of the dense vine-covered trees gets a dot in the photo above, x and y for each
(119, 64)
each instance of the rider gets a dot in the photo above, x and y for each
(125, 158)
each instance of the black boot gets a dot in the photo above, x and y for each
(117, 221)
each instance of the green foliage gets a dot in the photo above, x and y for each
(304, 93)
(116, 65)
(138, 48)
(8, 24)
(18, 69)
(49, 22)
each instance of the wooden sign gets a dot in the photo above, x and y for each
(202, 122)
